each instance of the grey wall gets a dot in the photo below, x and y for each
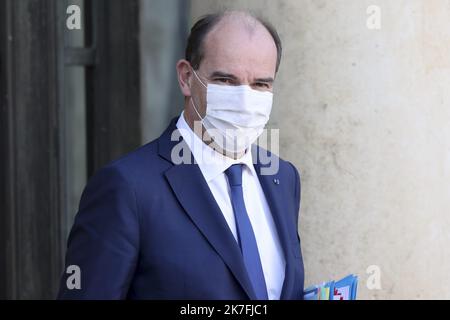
(365, 115)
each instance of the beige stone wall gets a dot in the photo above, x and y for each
(365, 116)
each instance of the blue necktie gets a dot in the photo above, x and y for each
(246, 237)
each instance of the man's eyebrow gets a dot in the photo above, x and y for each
(268, 80)
(217, 74)
(221, 74)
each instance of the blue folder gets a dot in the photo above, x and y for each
(344, 289)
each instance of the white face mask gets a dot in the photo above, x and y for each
(235, 115)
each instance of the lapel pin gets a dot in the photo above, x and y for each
(276, 181)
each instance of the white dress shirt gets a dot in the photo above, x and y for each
(213, 166)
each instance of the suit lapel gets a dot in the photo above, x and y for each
(272, 191)
(201, 207)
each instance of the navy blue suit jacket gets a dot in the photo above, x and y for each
(150, 229)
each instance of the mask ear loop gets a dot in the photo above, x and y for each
(192, 99)
(195, 109)
(195, 73)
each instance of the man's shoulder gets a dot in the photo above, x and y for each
(148, 156)
(267, 159)
(143, 155)
(141, 164)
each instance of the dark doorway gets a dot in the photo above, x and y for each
(61, 90)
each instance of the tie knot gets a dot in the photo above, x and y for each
(234, 174)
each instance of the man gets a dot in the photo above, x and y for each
(212, 226)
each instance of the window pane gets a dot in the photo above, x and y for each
(75, 138)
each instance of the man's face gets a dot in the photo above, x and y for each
(235, 54)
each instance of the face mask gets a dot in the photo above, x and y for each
(235, 115)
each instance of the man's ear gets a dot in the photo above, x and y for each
(184, 77)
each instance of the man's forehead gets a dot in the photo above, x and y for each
(231, 28)
(233, 46)
(239, 19)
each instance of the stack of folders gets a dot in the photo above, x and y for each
(344, 289)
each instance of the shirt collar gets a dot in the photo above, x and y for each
(211, 163)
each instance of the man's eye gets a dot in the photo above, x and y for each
(224, 80)
(262, 85)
